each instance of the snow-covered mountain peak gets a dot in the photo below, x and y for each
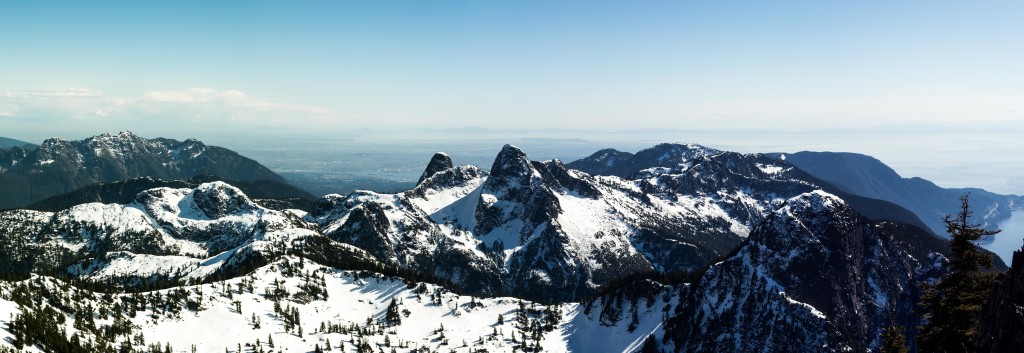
(814, 202)
(219, 199)
(625, 165)
(52, 142)
(813, 217)
(55, 145)
(514, 191)
(123, 135)
(122, 147)
(192, 143)
(666, 153)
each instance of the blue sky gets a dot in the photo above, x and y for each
(167, 68)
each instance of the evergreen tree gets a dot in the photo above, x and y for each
(392, 316)
(893, 340)
(950, 306)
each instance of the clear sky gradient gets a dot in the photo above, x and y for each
(203, 68)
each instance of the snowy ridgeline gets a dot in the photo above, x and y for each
(293, 305)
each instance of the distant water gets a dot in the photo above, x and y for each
(1010, 239)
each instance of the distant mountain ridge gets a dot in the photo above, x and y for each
(668, 156)
(861, 180)
(9, 142)
(624, 164)
(867, 176)
(270, 194)
(59, 166)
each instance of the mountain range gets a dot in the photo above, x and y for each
(849, 174)
(59, 166)
(866, 176)
(674, 248)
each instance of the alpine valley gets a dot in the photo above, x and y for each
(118, 243)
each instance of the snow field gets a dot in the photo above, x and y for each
(358, 302)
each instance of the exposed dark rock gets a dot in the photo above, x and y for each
(815, 276)
(514, 190)
(1001, 321)
(438, 163)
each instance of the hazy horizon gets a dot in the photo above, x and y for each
(954, 158)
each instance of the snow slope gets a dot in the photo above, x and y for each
(344, 308)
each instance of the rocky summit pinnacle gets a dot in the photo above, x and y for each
(439, 163)
(511, 161)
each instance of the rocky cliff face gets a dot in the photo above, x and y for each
(9, 157)
(438, 163)
(1001, 321)
(815, 276)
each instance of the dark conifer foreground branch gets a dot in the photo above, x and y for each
(950, 306)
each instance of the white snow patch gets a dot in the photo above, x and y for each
(771, 169)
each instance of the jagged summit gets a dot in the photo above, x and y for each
(513, 191)
(511, 162)
(123, 135)
(438, 163)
